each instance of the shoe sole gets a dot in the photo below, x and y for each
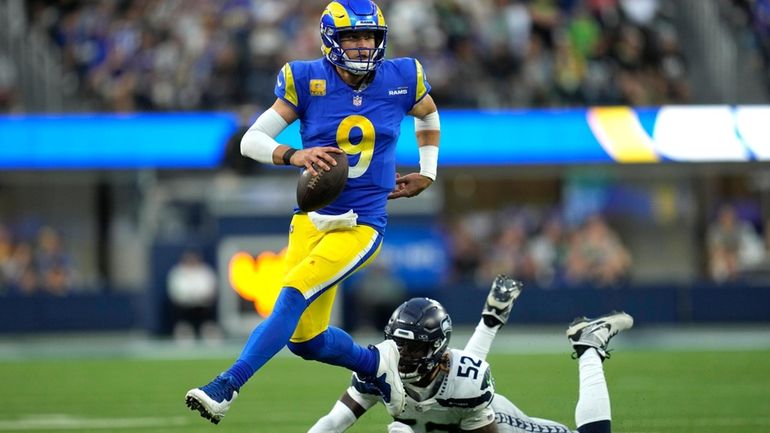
(580, 323)
(194, 404)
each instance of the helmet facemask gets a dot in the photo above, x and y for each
(369, 62)
(418, 359)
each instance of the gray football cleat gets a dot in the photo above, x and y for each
(597, 333)
(503, 293)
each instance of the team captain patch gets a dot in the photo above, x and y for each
(317, 87)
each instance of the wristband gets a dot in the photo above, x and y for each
(428, 161)
(287, 156)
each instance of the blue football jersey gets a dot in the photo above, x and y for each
(365, 124)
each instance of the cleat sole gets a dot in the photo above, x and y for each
(195, 405)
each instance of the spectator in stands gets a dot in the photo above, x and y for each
(6, 251)
(465, 251)
(20, 269)
(596, 255)
(53, 263)
(548, 251)
(192, 289)
(509, 254)
(733, 245)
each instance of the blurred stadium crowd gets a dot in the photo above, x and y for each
(34, 260)
(553, 252)
(143, 55)
(204, 54)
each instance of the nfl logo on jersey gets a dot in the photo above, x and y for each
(358, 100)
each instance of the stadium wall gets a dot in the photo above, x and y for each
(662, 304)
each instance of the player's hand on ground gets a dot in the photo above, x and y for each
(320, 156)
(399, 427)
(409, 185)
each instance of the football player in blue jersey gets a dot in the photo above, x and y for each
(351, 101)
(452, 390)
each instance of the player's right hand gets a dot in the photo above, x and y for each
(410, 185)
(315, 155)
(399, 427)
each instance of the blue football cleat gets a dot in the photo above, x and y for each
(213, 400)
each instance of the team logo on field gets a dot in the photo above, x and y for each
(317, 87)
(398, 91)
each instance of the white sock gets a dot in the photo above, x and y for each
(594, 401)
(481, 340)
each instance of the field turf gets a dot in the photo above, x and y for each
(682, 392)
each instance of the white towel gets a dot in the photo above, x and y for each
(325, 223)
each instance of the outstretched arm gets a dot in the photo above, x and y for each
(346, 411)
(428, 132)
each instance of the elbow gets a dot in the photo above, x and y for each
(244, 147)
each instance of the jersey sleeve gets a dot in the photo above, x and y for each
(366, 401)
(286, 87)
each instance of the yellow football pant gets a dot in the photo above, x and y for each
(316, 262)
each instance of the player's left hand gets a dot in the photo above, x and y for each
(409, 185)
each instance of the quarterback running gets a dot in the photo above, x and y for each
(349, 102)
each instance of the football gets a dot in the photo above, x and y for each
(315, 192)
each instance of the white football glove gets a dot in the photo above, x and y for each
(399, 427)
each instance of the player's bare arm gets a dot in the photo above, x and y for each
(353, 405)
(428, 135)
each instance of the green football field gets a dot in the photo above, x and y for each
(682, 392)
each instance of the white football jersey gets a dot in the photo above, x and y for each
(461, 402)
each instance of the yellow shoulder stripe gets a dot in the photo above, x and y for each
(291, 91)
(421, 89)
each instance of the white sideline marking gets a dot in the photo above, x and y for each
(69, 422)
